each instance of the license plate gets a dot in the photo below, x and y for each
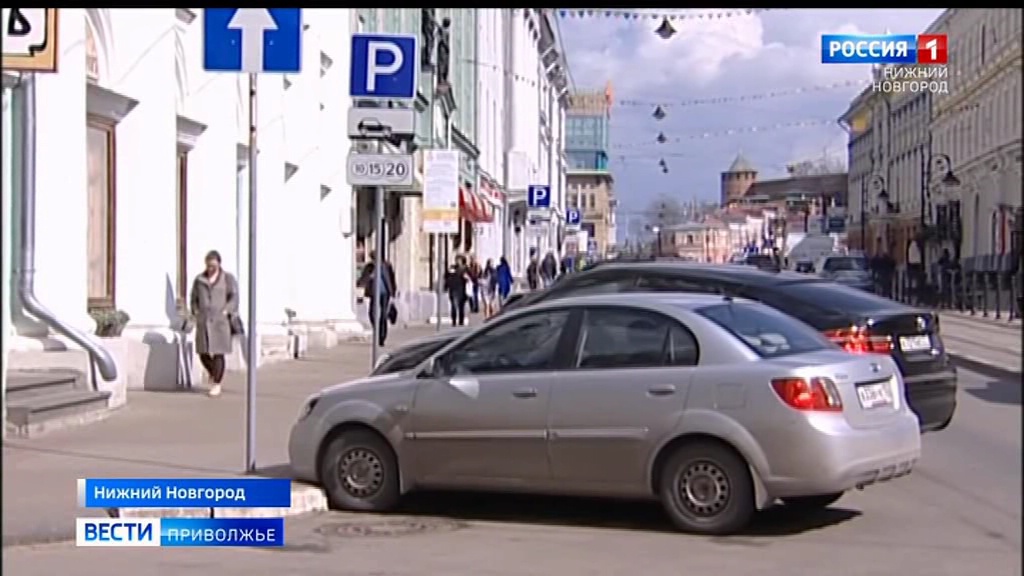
(915, 343)
(874, 395)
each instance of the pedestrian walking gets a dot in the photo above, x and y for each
(388, 292)
(504, 280)
(488, 288)
(533, 273)
(456, 283)
(214, 305)
(548, 269)
(474, 270)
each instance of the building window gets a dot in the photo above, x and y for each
(101, 240)
(182, 227)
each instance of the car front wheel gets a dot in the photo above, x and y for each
(706, 488)
(359, 472)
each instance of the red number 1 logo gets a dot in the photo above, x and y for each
(932, 49)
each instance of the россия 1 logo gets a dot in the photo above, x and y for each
(884, 49)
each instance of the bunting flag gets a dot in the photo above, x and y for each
(670, 16)
(731, 132)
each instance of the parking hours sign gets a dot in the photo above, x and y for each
(380, 170)
(30, 39)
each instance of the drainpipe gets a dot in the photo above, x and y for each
(25, 269)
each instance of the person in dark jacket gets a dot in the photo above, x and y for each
(533, 274)
(456, 283)
(388, 291)
(548, 269)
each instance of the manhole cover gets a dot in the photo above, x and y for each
(388, 527)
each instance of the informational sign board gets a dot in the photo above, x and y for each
(29, 38)
(441, 191)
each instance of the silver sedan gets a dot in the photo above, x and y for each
(716, 406)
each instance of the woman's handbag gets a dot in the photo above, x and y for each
(392, 313)
(237, 328)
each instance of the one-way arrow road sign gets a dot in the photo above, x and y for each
(252, 40)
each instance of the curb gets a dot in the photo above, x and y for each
(305, 499)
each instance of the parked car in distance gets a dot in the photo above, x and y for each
(697, 400)
(847, 270)
(858, 321)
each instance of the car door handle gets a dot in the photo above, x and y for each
(525, 393)
(663, 390)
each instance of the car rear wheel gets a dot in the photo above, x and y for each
(706, 488)
(811, 503)
(359, 471)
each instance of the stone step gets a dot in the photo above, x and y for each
(24, 384)
(33, 415)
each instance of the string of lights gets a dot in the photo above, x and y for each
(744, 98)
(670, 16)
(714, 100)
(731, 132)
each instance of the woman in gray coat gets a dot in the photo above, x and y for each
(214, 305)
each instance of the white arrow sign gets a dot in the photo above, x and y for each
(252, 22)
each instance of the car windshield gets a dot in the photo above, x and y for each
(769, 333)
(845, 264)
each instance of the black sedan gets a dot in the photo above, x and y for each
(858, 321)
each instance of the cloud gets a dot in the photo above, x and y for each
(767, 52)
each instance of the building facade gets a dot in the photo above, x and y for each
(905, 144)
(144, 155)
(536, 88)
(590, 181)
(978, 125)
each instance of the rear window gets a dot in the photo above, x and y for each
(845, 264)
(769, 333)
(832, 296)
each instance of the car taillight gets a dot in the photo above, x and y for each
(815, 394)
(860, 340)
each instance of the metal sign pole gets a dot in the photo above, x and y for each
(252, 354)
(380, 316)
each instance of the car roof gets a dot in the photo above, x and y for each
(689, 301)
(744, 274)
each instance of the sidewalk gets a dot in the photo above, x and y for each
(168, 435)
(996, 343)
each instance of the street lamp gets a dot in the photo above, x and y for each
(657, 235)
(874, 186)
(931, 164)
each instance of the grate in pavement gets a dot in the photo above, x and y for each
(388, 527)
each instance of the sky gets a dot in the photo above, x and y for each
(771, 51)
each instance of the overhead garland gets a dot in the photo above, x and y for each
(670, 16)
(714, 100)
(731, 132)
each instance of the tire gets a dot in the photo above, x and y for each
(731, 489)
(812, 503)
(370, 483)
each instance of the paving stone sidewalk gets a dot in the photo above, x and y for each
(987, 341)
(167, 435)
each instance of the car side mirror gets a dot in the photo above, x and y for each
(432, 368)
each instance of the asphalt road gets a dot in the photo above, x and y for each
(958, 514)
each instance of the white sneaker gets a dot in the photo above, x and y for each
(214, 390)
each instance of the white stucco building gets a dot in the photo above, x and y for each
(141, 168)
(490, 126)
(536, 90)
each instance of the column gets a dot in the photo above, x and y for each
(61, 281)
